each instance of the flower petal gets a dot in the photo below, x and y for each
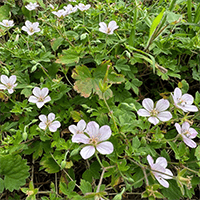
(73, 129)
(87, 152)
(148, 104)
(81, 125)
(193, 133)
(177, 93)
(3, 87)
(54, 126)
(92, 129)
(190, 108)
(164, 116)
(165, 176)
(162, 162)
(178, 127)
(33, 99)
(44, 92)
(47, 99)
(51, 117)
(112, 25)
(12, 79)
(185, 126)
(80, 138)
(4, 79)
(103, 27)
(43, 118)
(40, 104)
(188, 98)
(42, 125)
(143, 113)
(153, 120)
(37, 91)
(105, 148)
(150, 160)
(189, 142)
(104, 133)
(162, 105)
(163, 182)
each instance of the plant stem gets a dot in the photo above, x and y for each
(99, 160)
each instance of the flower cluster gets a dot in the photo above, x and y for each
(183, 102)
(93, 137)
(70, 9)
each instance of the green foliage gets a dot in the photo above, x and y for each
(14, 171)
(104, 78)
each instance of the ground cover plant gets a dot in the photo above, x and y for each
(99, 99)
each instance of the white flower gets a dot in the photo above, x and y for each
(60, 13)
(83, 7)
(79, 129)
(7, 23)
(48, 122)
(187, 134)
(160, 166)
(70, 9)
(184, 102)
(157, 113)
(72, 0)
(40, 97)
(95, 140)
(108, 29)
(8, 83)
(31, 28)
(31, 6)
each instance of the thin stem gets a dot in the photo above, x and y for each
(111, 112)
(99, 160)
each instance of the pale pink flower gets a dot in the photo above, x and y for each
(159, 170)
(157, 113)
(8, 83)
(79, 129)
(7, 23)
(31, 6)
(48, 122)
(70, 9)
(31, 28)
(187, 133)
(40, 97)
(184, 102)
(83, 7)
(60, 13)
(108, 29)
(95, 140)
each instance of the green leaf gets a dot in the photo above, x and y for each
(154, 25)
(87, 83)
(136, 142)
(172, 17)
(197, 97)
(4, 12)
(1, 185)
(197, 154)
(69, 56)
(14, 170)
(49, 164)
(56, 42)
(85, 186)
